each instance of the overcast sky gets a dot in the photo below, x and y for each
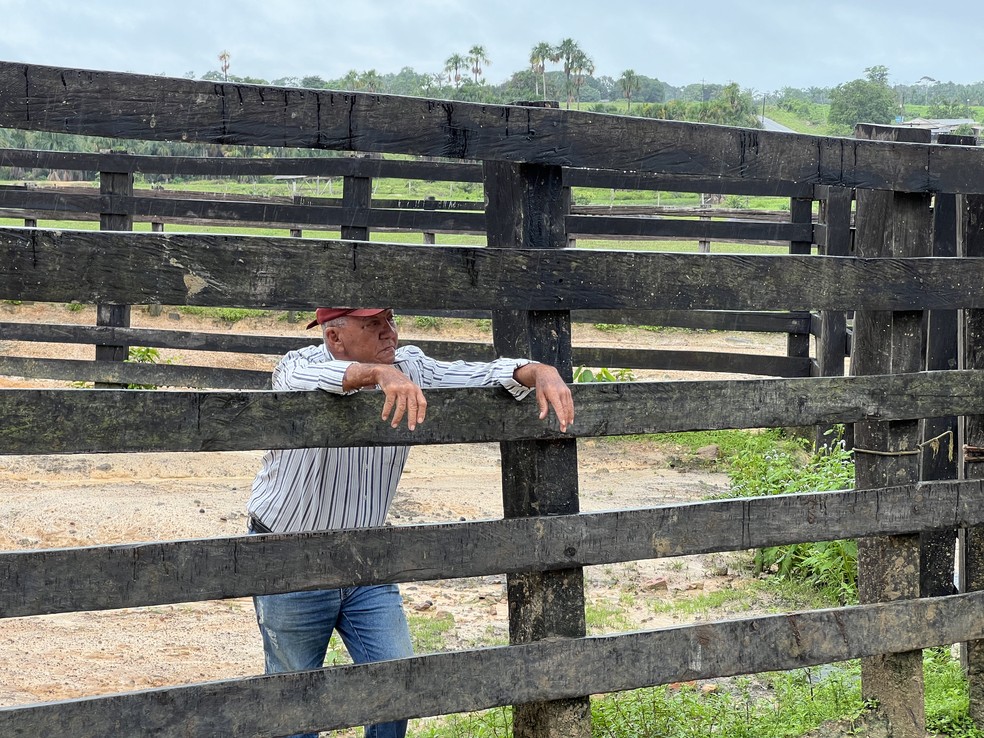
(762, 45)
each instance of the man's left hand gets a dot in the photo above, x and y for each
(551, 392)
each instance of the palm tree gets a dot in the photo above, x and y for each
(539, 56)
(630, 84)
(370, 81)
(477, 58)
(224, 59)
(351, 80)
(582, 66)
(452, 67)
(567, 51)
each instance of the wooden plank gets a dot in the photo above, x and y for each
(779, 366)
(338, 697)
(890, 224)
(940, 435)
(177, 269)
(237, 421)
(270, 214)
(328, 165)
(692, 361)
(526, 209)
(112, 184)
(724, 184)
(801, 215)
(972, 456)
(135, 575)
(714, 230)
(334, 166)
(158, 108)
(189, 340)
(177, 375)
(120, 374)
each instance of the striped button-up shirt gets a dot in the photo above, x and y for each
(329, 488)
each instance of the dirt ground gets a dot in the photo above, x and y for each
(60, 501)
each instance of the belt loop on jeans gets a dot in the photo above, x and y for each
(257, 525)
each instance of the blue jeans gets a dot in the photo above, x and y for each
(297, 626)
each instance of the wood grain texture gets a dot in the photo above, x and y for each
(134, 575)
(286, 273)
(156, 108)
(131, 420)
(343, 696)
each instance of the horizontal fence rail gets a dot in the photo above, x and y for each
(134, 575)
(341, 166)
(133, 420)
(157, 108)
(142, 268)
(463, 681)
(180, 375)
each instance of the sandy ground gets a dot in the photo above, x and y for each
(60, 501)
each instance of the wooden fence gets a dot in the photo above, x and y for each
(899, 286)
(793, 229)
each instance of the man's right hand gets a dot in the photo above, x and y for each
(403, 397)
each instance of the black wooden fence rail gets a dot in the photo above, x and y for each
(524, 151)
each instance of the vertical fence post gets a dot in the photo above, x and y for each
(972, 456)
(113, 184)
(704, 245)
(430, 204)
(356, 201)
(800, 211)
(887, 453)
(526, 205)
(832, 336)
(939, 435)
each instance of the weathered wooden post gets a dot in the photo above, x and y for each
(972, 457)
(801, 212)
(835, 211)
(430, 204)
(704, 245)
(890, 224)
(356, 201)
(111, 185)
(939, 435)
(525, 208)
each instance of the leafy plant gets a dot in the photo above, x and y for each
(583, 374)
(828, 565)
(145, 355)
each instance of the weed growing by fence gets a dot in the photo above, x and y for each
(830, 566)
(583, 374)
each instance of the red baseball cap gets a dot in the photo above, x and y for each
(323, 315)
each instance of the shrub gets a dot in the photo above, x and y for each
(828, 565)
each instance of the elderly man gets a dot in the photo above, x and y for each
(331, 488)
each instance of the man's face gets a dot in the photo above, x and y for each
(369, 340)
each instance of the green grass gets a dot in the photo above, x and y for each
(428, 630)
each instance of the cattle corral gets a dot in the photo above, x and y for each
(918, 208)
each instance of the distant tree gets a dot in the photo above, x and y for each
(287, 82)
(409, 82)
(868, 100)
(224, 64)
(573, 57)
(370, 81)
(539, 56)
(477, 58)
(629, 84)
(313, 82)
(582, 68)
(453, 66)
(349, 82)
